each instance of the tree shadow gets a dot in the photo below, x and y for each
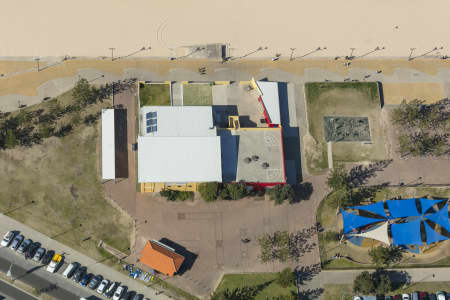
(360, 174)
(306, 273)
(189, 257)
(303, 191)
(310, 294)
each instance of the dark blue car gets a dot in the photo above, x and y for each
(85, 279)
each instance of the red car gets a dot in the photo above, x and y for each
(423, 296)
(398, 297)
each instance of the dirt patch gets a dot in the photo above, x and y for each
(395, 93)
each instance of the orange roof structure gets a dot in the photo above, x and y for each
(161, 258)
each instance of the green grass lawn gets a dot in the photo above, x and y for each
(197, 94)
(342, 99)
(55, 186)
(265, 281)
(345, 291)
(154, 94)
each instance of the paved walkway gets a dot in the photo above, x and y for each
(6, 223)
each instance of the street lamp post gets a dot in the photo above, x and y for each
(292, 54)
(112, 53)
(37, 62)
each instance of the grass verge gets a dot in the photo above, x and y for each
(265, 282)
(154, 94)
(343, 99)
(197, 94)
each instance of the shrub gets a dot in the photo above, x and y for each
(233, 191)
(209, 191)
(338, 178)
(331, 236)
(286, 278)
(280, 193)
(176, 195)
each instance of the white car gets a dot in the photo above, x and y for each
(441, 295)
(118, 293)
(406, 297)
(7, 239)
(357, 298)
(103, 285)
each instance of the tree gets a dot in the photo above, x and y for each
(83, 93)
(244, 293)
(280, 193)
(385, 256)
(377, 282)
(363, 283)
(234, 191)
(208, 191)
(10, 139)
(340, 198)
(338, 178)
(286, 278)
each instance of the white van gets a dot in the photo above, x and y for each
(70, 269)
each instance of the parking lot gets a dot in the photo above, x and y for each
(69, 255)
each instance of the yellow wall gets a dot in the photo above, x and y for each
(150, 187)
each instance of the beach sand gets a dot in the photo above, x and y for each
(89, 28)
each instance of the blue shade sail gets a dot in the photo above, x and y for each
(406, 233)
(402, 208)
(432, 235)
(352, 221)
(440, 217)
(427, 203)
(376, 208)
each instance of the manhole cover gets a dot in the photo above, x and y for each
(181, 216)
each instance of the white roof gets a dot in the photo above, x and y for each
(178, 121)
(379, 234)
(108, 145)
(271, 100)
(179, 159)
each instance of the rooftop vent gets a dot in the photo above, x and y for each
(255, 157)
(247, 160)
(265, 165)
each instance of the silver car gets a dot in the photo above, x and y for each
(23, 247)
(39, 254)
(16, 242)
(7, 239)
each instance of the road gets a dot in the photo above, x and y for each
(35, 275)
(8, 291)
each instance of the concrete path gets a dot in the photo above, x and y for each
(7, 223)
(177, 94)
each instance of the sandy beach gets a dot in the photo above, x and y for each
(89, 28)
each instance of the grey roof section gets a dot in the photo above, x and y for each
(241, 145)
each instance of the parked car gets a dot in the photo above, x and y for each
(406, 297)
(86, 279)
(32, 250)
(47, 257)
(357, 298)
(103, 286)
(432, 297)
(129, 295)
(16, 242)
(398, 297)
(388, 298)
(39, 254)
(95, 281)
(423, 296)
(111, 289)
(70, 270)
(7, 238)
(23, 247)
(121, 290)
(79, 273)
(441, 295)
(138, 297)
(415, 296)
